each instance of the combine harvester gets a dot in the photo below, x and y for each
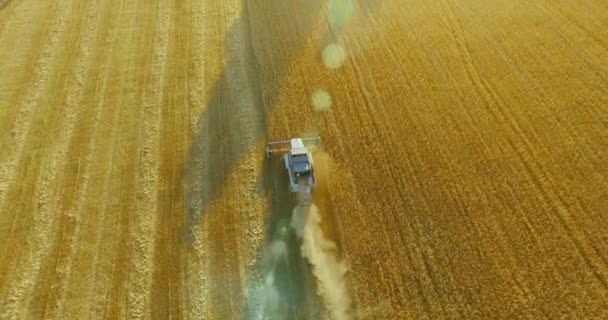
(299, 164)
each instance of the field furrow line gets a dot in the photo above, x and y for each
(73, 114)
(141, 241)
(549, 105)
(30, 99)
(590, 156)
(533, 170)
(6, 20)
(251, 138)
(167, 293)
(10, 110)
(564, 27)
(396, 130)
(196, 82)
(375, 214)
(379, 118)
(194, 275)
(548, 189)
(468, 143)
(6, 23)
(64, 120)
(506, 246)
(567, 14)
(549, 192)
(19, 292)
(19, 54)
(94, 211)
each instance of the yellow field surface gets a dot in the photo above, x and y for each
(464, 169)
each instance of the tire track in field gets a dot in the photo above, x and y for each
(375, 107)
(584, 223)
(429, 257)
(375, 117)
(518, 282)
(525, 151)
(20, 292)
(465, 199)
(492, 97)
(142, 238)
(548, 104)
(393, 131)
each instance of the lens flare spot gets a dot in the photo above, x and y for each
(320, 100)
(339, 13)
(333, 56)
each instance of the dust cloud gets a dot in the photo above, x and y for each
(321, 254)
(272, 296)
(266, 298)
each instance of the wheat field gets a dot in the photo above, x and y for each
(463, 171)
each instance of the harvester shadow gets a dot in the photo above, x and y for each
(235, 118)
(257, 47)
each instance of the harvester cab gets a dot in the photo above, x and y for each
(298, 162)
